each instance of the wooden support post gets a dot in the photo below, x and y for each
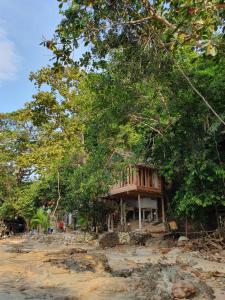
(124, 217)
(148, 215)
(121, 211)
(139, 208)
(143, 213)
(163, 210)
(124, 214)
(156, 215)
(109, 221)
(112, 224)
(133, 214)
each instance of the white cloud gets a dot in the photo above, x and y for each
(8, 58)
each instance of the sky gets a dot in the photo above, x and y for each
(23, 25)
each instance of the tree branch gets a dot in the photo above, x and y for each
(153, 14)
(199, 94)
(59, 193)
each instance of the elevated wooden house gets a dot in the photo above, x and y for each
(139, 194)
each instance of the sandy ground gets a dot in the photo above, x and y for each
(30, 269)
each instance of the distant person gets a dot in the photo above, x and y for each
(61, 226)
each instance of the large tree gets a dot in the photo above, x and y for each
(106, 25)
(156, 97)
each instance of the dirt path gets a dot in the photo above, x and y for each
(31, 269)
(28, 271)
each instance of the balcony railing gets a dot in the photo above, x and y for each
(138, 178)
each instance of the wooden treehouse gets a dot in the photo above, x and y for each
(139, 197)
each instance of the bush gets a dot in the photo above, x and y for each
(40, 220)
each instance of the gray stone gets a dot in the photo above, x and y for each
(182, 241)
(124, 238)
(139, 238)
(183, 289)
(183, 238)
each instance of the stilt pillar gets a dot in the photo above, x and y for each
(124, 214)
(152, 216)
(109, 222)
(156, 215)
(121, 211)
(139, 210)
(70, 219)
(112, 224)
(143, 213)
(163, 210)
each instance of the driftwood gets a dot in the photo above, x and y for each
(215, 244)
(209, 242)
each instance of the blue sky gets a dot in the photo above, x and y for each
(23, 24)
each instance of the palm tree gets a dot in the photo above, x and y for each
(40, 220)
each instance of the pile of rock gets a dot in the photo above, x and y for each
(83, 237)
(111, 239)
(167, 282)
(124, 238)
(139, 238)
(108, 239)
(65, 238)
(79, 261)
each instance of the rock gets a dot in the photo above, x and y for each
(183, 289)
(94, 243)
(182, 241)
(81, 262)
(82, 237)
(165, 250)
(122, 273)
(124, 238)
(159, 242)
(183, 238)
(67, 251)
(108, 239)
(139, 238)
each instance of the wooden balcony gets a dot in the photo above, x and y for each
(138, 179)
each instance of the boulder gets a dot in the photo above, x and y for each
(182, 241)
(83, 236)
(108, 239)
(139, 238)
(159, 242)
(124, 238)
(183, 289)
(81, 262)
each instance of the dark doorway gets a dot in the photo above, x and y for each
(16, 225)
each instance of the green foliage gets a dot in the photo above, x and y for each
(105, 26)
(191, 151)
(82, 221)
(7, 211)
(40, 220)
(68, 143)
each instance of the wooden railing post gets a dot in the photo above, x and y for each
(121, 211)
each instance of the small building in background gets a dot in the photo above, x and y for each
(138, 198)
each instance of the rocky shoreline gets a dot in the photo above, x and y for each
(65, 266)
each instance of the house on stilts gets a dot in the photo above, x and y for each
(138, 199)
